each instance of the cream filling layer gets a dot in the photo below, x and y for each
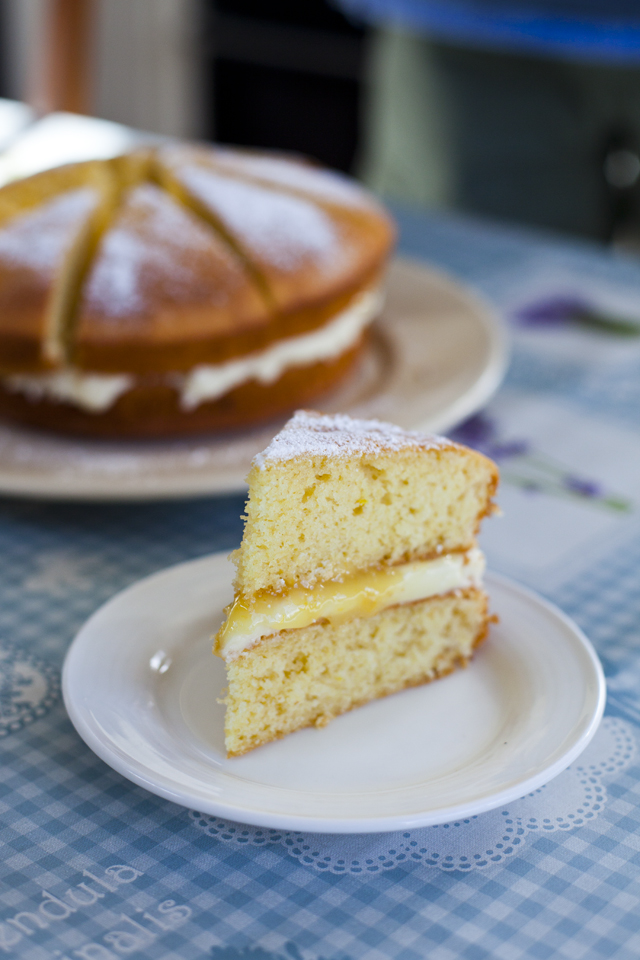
(358, 595)
(210, 382)
(96, 392)
(93, 392)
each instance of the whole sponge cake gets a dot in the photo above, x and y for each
(358, 574)
(182, 289)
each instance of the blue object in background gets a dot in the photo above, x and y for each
(592, 30)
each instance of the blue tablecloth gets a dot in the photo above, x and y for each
(95, 867)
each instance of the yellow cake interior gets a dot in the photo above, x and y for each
(358, 574)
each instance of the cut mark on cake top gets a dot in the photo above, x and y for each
(311, 434)
(283, 230)
(156, 241)
(39, 239)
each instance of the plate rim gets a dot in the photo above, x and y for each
(333, 825)
(220, 482)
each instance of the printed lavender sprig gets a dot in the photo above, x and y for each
(535, 472)
(563, 310)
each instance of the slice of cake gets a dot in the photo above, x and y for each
(358, 574)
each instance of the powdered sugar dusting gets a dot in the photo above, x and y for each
(39, 239)
(325, 184)
(153, 241)
(282, 230)
(310, 434)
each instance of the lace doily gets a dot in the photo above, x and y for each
(28, 688)
(575, 797)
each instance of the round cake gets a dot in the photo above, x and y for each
(182, 289)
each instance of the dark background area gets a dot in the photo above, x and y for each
(531, 139)
(285, 74)
(4, 84)
(535, 140)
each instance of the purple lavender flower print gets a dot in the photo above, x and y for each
(552, 312)
(481, 433)
(477, 431)
(585, 488)
(534, 472)
(562, 310)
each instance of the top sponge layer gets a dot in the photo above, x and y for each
(332, 495)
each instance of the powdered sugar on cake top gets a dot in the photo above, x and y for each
(40, 238)
(326, 185)
(155, 244)
(282, 230)
(310, 434)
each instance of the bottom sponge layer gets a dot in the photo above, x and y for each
(307, 677)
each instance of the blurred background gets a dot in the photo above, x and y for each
(522, 113)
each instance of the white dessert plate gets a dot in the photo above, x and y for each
(141, 687)
(436, 356)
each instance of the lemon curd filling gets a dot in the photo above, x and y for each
(358, 595)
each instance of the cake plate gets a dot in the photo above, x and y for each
(436, 355)
(142, 689)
